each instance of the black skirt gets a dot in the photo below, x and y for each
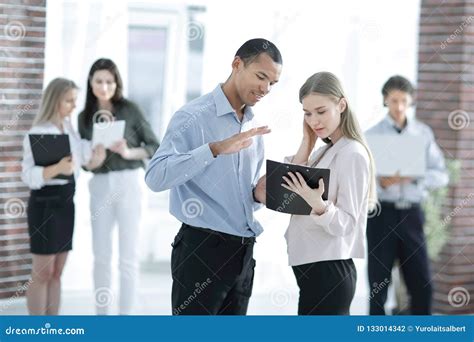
(326, 287)
(51, 219)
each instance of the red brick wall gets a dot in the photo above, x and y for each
(445, 102)
(22, 42)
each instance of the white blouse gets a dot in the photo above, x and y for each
(338, 233)
(81, 151)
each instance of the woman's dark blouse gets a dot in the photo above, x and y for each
(138, 133)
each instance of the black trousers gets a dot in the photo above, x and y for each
(326, 287)
(398, 234)
(212, 272)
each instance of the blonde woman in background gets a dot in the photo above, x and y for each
(51, 204)
(321, 246)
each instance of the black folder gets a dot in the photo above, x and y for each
(286, 201)
(48, 149)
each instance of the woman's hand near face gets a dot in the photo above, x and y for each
(306, 146)
(314, 197)
(309, 136)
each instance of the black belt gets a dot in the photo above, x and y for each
(401, 205)
(242, 239)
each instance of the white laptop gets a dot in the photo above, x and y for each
(398, 153)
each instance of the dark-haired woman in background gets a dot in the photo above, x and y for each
(115, 188)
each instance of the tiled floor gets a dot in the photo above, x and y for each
(269, 298)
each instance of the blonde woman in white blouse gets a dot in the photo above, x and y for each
(51, 204)
(321, 246)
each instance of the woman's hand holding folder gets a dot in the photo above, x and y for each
(314, 197)
(64, 167)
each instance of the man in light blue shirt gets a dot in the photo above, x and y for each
(210, 158)
(396, 229)
(403, 190)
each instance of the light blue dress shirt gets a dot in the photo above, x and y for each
(208, 192)
(435, 175)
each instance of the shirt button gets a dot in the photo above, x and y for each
(185, 175)
(205, 163)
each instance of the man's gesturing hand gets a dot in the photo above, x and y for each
(237, 142)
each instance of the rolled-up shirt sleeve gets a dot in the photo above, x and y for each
(436, 175)
(31, 174)
(179, 157)
(340, 217)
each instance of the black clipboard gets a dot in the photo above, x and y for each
(286, 201)
(48, 149)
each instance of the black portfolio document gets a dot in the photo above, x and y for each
(49, 149)
(286, 201)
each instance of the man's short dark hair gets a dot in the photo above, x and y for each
(253, 48)
(398, 83)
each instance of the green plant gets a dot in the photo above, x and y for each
(436, 224)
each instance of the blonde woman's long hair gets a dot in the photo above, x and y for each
(52, 95)
(326, 83)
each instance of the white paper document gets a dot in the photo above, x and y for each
(108, 133)
(398, 153)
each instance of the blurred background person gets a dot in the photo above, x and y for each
(51, 204)
(397, 231)
(115, 192)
